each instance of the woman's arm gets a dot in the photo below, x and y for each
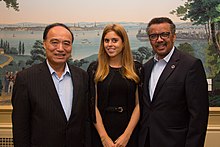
(106, 140)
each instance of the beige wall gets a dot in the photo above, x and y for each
(212, 137)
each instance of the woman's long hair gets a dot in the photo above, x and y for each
(127, 58)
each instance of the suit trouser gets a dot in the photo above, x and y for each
(147, 140)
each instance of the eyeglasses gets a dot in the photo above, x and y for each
(163, 35)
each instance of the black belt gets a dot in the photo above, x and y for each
(116, 109)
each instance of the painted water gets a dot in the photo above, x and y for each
(86, 43)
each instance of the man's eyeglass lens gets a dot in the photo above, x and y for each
(163, 35)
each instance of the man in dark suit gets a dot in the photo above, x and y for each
(174, 108)
(50, 99)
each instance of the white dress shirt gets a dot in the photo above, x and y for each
(64, 88)
(157, 70)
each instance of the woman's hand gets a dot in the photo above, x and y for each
(122, 140)
(107, 142)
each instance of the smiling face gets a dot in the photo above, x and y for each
(164, 42)
(113, 45)
(58, 45)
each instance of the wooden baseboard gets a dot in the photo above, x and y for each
(212, 137)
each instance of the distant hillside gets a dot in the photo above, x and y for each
(90, 59)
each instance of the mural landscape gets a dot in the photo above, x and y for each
(21, 44)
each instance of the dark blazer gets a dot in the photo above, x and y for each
(178, 114)
(38, 117)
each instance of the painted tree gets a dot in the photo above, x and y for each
(11, 3)
(78, 63)
(217, 19)
(37, 53)
(22, 49)
(186, 47)
(143, 53)
(212, 62)
(13, 50)
(202, 12)
(1, 44)
(19, 48)
(7, 47)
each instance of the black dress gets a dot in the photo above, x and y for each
(116, 102)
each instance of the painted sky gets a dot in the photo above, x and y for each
(73, 11)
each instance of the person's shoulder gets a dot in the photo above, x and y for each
(78, 69)
(92, 66)
(139, 68)
(148, 63)
(78, 72)
(188, 60)
(30, 73)
(186, 56)
(137, 64)
(32, 69)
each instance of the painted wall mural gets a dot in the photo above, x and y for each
(198, 33)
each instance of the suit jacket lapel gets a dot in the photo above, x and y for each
(75, 80)
(148, 68)
(49, 84)
(168, 70)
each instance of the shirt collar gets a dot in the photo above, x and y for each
(52, 71)
(167, 57)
